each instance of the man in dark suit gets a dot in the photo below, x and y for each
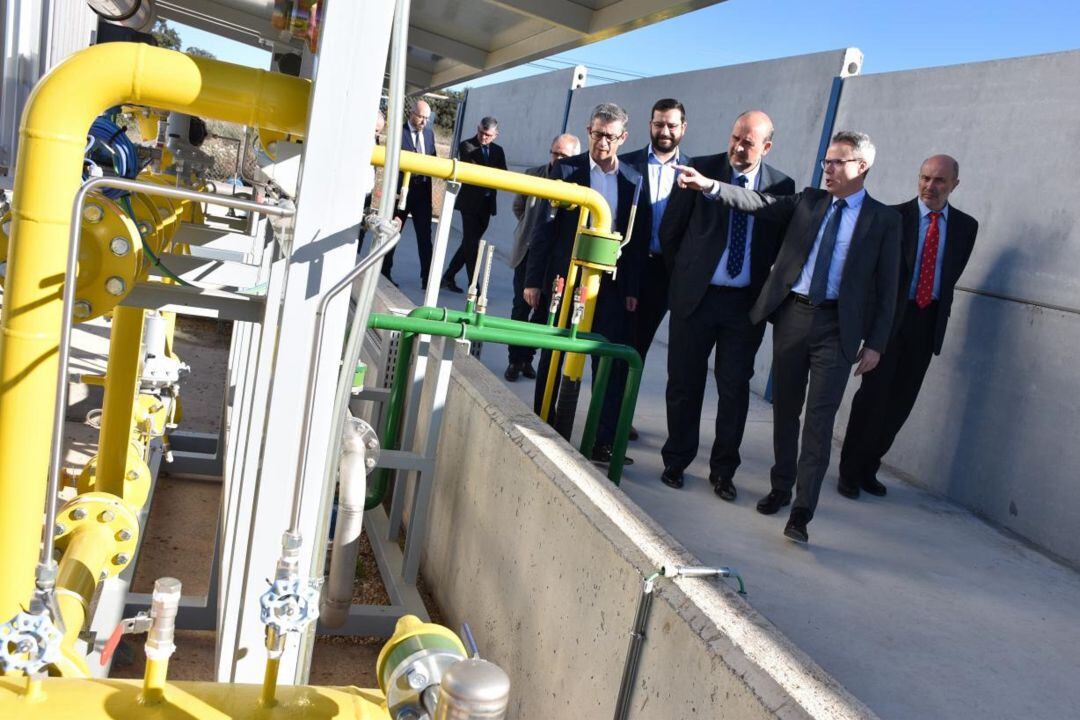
(937, 242)
(831, 289)
(528, 211)
(719, 260)
(552, 244)
(476, 204)
(416, 137)
(656, 163)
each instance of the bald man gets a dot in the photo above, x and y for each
(718, 260)
(417, 137)
(937, 242)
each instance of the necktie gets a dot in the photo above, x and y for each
(485, 148)
(418, 142)
(924, 291)
(819, 282)
(737, 241)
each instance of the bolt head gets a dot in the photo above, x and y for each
(78, 513)
(93, 213)
(106, 516)
(123, 535)
(132, 475)
(370, 462)
(119, 246)
(372, 444)
(144, 228)
(59, 529)
(81, 309)
(115, 285)
(121, 559)
(25, 646)
(417, 678)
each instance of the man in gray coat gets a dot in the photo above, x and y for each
(527, 210)
(831, 296)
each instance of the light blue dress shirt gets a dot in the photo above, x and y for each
(661, 181)
(720, 274)
(843, 243)
(605, 183)
(924, 225)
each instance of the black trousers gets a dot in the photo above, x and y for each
(887, 395)
(721, 322)
(652, 305)
(473, 227)
(521, 310)
(418, 205)
(610, 320)
(806, 349)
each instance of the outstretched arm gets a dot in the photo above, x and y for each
(759, 204)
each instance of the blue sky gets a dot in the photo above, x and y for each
(894, 35)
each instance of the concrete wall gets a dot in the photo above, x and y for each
(994, 427)
(550, 569)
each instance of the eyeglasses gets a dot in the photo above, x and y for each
(598, 136)
(829, 162)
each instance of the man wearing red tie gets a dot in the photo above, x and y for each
(937, 243)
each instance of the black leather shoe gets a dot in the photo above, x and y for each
(602, 455)
(449, 284)
(633, 433)
(512, 372)
(527, 370)
(796, 526)
(848, 490)
(724, 488)
(771, 503)
(672, 477)
(874, 487)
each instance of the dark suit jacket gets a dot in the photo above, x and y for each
(473, 199)
(420, 184)
(553, 238)
(639, 160)
(693, 235)
(527, 210)
(867, 300)
(960, 231)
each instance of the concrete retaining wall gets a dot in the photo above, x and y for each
(549, 571)
(994, 427)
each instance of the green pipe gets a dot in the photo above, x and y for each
(596, 403)
(530, 335)
(492, 321)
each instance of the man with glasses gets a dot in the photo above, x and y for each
(416, 137)
(937, 242)
(476, 204)
(656, 163)
(719, 260)
(552, 245)
(527, 210)
(832, 288)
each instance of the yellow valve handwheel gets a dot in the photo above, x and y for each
(110, 257)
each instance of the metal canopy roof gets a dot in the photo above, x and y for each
(452, 41)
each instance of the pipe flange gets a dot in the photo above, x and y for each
(137, 478)
(361, 436)
(98, 509)
(29, 643)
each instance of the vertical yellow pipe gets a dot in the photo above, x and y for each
(47, 175)
(268, 697)
(121, 390)
(574, 367)
(154, 678)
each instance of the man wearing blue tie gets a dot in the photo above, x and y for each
(831, 296)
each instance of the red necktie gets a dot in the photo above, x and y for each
(924, 291)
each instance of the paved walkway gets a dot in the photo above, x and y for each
(917, 606)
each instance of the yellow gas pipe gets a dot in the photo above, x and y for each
(121, 390)
(47, 176)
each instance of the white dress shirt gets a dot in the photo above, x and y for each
(605, 183)
(661, 182)
(720, 274)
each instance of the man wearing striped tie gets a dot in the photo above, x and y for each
(937, 242)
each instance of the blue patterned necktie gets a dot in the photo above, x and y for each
(819, 282)
(737, 241)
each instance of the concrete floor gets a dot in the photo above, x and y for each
(920, 608)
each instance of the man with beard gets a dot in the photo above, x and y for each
(719, 259)
(656, 163)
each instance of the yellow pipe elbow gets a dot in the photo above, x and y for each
(513, 182)
(47, 175)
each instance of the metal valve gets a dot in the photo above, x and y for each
(29, 643)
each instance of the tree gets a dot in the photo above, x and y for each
(166, 36)
(199, 52)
